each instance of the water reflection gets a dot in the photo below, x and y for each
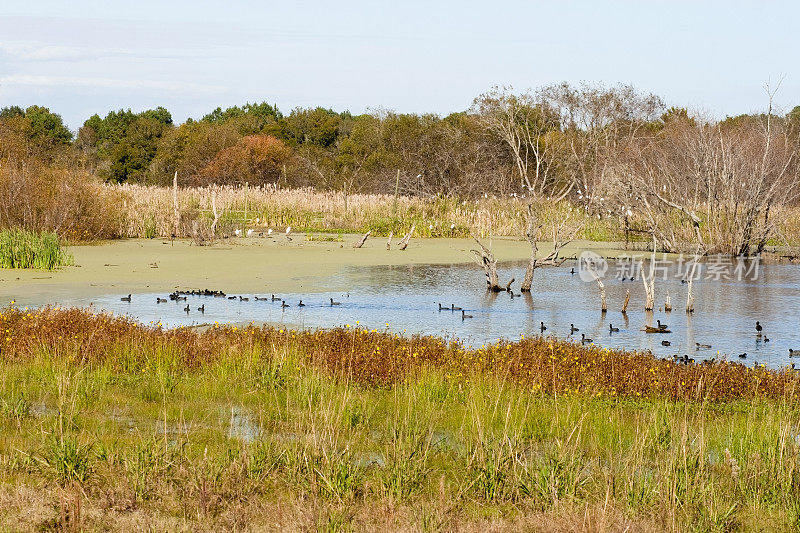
(407, 298)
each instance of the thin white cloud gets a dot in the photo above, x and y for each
(173, 87)
(39, 52)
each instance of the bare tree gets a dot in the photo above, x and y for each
(528, 128)
(562, 233)
(723, 179)
(597, 124)
(487, 260)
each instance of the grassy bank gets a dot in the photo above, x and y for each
(107, 424)
(21, 248)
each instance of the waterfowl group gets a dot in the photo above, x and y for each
(658, 328)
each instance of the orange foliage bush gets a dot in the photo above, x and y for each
(255, 159)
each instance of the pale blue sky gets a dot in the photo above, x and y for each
(84, 56)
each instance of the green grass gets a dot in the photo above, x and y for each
(21, 248)
(260, 429)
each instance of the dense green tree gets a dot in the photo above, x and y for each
(47, 126)
(248, 119)
(317, 126)
(125, 142)
(11, 111)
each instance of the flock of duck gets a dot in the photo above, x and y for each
(659, 328)
(183, 296)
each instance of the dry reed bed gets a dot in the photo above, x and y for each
(374, 358)
(148, 211)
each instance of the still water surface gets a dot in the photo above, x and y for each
(406, 298)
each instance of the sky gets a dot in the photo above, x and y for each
(93, 56)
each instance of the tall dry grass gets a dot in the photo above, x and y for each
(40, 197)
(148, 211)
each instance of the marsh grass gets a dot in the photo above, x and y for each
(147, 211)
(262, 428)
(21, 248)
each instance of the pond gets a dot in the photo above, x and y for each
(406, 299)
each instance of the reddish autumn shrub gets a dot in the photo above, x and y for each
(255, 159)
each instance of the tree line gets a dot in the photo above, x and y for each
(609, 150)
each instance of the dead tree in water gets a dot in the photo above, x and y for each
(649, 281)
(562, 235)
(216, 213)
(176, 212)
(389, 241)
(600, 286)
(625, 303)
(363, 239)
(489, 263)
(405, 240)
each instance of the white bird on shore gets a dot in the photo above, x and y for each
(269, 231)
(288, 230)
(250, 232)
(237, 232)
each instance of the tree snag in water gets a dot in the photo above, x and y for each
(489, 263)
(389, 242)
(649, 281)
(627, 300)
(405, 240)
(562, 235)
(216, 214)
(176, 212)
(361, 242)
(600, 285)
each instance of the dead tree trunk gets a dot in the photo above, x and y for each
(532, 233)
(690, 283)
(176, 212)
(627, 300)
(361, 242)
(601, 287)
(668, 304)
(527, 281)
(405, 240)
(489, 263)
(650, 282)
(216, 214)
(389, 241)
